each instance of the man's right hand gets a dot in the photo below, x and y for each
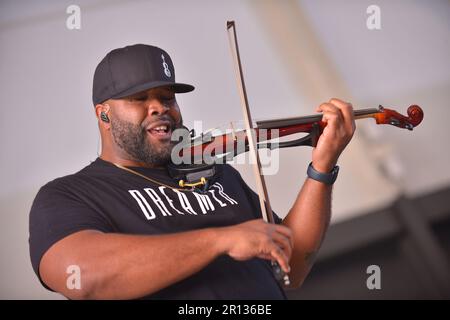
(257, 238)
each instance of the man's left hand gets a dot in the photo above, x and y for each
(336, 135)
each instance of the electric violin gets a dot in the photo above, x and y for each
(210, 148)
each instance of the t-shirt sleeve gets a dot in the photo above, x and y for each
(254, 198)
(57, 212)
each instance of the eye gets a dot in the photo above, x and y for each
(138, 98)
(141, 98)
(168, 100)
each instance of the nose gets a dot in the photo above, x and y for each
(157, 107)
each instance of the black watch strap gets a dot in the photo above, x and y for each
(327, 178)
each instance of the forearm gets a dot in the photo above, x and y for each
(310, 216)
(308, 219)
(115, 266)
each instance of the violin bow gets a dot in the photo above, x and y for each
(264, 202)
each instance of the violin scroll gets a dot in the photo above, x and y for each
(415, 114)
(392, 117)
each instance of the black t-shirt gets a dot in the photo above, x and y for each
(112, 200)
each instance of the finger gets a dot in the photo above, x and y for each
(284, 235)
(285, 231)
(265, 256)
(283, 243)
(338, 102)
(279, 255)
(346, 109)
(331, 113)
(325, 106)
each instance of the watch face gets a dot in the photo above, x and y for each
(335, 173)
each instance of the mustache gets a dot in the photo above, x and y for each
(172, 123)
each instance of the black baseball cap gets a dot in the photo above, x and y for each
(126, 71)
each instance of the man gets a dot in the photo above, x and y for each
(131, 232)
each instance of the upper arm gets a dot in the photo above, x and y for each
(57, 218)
(66, 262)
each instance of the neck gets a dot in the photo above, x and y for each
(125, 161)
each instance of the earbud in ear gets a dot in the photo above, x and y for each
(104, 117)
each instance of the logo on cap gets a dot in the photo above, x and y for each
(166, 67)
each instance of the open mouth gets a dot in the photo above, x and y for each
(161, 132)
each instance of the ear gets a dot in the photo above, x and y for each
(99, 108)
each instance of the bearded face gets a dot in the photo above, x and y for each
(149, 144)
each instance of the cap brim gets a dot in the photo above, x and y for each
(177, 88)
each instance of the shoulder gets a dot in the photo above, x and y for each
(67, 182)
(229, 171)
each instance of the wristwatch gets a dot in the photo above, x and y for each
(327, 178)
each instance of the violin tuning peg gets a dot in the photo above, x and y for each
(394, 122)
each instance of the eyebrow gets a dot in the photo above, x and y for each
(161, 94)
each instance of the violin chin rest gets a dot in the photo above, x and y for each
(192, 172)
